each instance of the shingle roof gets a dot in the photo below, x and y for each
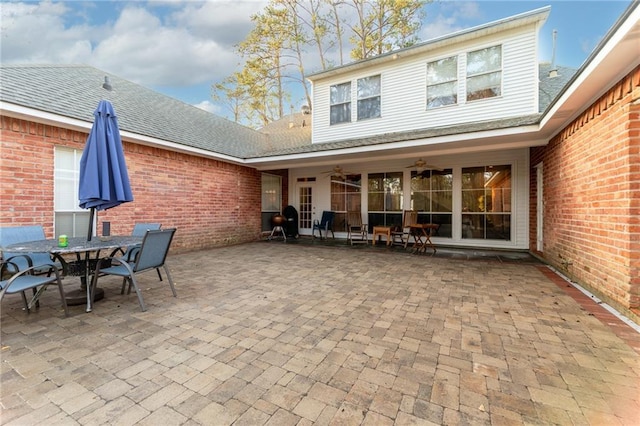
(75, 90)
(551, 83)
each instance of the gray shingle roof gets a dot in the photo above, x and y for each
(75, 90)
(551, 84)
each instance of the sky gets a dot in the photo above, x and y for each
(181, 47)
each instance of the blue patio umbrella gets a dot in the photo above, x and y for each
(104, 181)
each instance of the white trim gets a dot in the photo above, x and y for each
(47, 118)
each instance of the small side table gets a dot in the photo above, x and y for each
(380, 231)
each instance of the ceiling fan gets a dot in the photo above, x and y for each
(421, 166)
(337, 171)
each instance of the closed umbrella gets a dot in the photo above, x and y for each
(104, 181)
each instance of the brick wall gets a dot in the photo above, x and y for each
(592, 196)
(211, 202)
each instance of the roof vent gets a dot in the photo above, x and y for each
(107, 84)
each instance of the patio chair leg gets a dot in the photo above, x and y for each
(133, 282)
(159, 274)
(166, 271)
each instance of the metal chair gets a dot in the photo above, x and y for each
(151, 255)
(139, 230)
(325, 224)
(357, 231)
(21, 234)
(24, 279)
(401, 236)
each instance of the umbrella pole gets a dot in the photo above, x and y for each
(91, 216)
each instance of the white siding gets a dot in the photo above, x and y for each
(403, 93)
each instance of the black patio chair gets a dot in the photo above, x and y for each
(151, 255)
(22, 279)
(325, 224)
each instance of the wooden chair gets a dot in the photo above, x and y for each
(357, 231)
(401, 236)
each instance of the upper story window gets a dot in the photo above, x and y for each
(369, 97)
(442, 82)
(484, 73)
(340, 103)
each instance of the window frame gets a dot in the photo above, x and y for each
(484, 72)
(79, 217)
(366, 99)
(436, 84)
(341, 105)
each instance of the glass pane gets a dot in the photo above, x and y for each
(472, 226)
(340, 113)
(484, 86)
(484, 60)
(444, 220)
(421, 202)
(441, 201)
(473, 200)
(369, 108)
(376, 201)
(442, 71)
(340, 222)
(442, 94)
(442, 179)
(340, 93)
(472, 177)
(369, 87)
(498, 227)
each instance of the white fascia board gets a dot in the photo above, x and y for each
(47, 118)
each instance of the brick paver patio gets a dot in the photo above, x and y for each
(290, 334)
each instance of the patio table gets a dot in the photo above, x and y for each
(421, 233)
(82, 266)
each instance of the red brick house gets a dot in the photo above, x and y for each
(468, 129)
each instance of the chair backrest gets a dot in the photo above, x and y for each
(139, 229)
(154, 249)
(327, 219)
(410, 218)
(354, 219)
(22, 234)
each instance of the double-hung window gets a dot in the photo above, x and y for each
(369, 97)
(340, 103)
(70, 219)
(271, 198)
(442, 82)
(484, 73)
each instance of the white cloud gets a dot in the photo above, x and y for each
(209, 106)
(449, 18)
(151, 43)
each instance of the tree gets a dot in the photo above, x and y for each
(275, 51)
(384, 25)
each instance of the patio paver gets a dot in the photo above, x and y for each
(269, 333)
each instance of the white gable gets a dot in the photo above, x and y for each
(403, 94)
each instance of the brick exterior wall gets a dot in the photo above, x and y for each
(592, 197)
(211, 202)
